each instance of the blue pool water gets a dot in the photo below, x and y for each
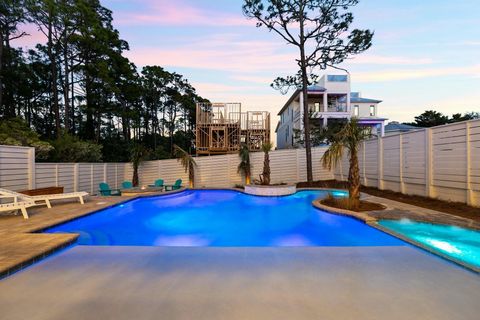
(223, 218)
(459, 243)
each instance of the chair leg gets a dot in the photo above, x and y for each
(48, 203)
(24, 212)
(81, 200)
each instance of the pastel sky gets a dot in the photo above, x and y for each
(425, 54)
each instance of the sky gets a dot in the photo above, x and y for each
(425, 54)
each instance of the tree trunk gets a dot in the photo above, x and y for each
(53, 70)
(306, 115)
(66, 88)
(265, 177)
(1, 70)
(306, 122)
(191, 175)
(135, 176)
(354, 180)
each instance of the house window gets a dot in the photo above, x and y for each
(356, 110)
(286, 134)
(372, 110)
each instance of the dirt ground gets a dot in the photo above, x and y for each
(455, 208)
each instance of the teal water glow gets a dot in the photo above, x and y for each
(459, 243)
(224, 218)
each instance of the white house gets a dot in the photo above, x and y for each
(330, 100)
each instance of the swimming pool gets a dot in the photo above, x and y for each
(454, 242)
(223, 218)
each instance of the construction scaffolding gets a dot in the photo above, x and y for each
(222, 127)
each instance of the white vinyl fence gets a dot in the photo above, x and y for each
(18, 170)
(441, 162)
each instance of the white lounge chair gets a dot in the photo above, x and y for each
(16, 205)
(42, 199)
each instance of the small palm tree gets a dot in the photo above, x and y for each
(138, 153)
(348, 138)
(245, 167)
(188, 163)
(265, 176)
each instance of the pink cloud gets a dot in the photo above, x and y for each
(219, 53)
(180, 13)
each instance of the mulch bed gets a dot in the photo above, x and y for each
(364, 205)
(455, 208)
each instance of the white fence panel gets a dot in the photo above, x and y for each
(441, 162)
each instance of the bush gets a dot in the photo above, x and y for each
(16, 132)
(70, 149)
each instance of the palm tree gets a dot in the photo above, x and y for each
(265, 176)
(348, 138)
(188, 163)
(138, 153)
(245, 167)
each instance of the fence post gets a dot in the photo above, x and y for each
(105, 172)
(380, 163)
(31, 168)
(75, 177)
(400, 172)
(428, 163)
(469, 190)
(91, 178)
(363, 163)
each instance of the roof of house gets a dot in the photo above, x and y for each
(395, 126)
(356, 98)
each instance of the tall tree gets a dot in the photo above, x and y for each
(430, 118)
(320, 30)
(12, 14)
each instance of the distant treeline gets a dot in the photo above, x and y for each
(77, 89)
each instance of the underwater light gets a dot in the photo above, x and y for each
(442, 245)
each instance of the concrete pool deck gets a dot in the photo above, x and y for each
(21, 246)
(241, 283)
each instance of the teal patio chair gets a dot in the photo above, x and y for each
(177, 185)
(127, 185)
(105, 190)
(157, 184)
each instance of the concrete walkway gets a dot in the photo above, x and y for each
(241, 283)
(399, 210)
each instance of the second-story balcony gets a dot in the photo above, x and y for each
(338, 107)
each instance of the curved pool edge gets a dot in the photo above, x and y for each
(426, 248)
(373, 222)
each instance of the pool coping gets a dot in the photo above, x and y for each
(373, 222)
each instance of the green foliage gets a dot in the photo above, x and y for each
(109, 102)
(431, 118)
(138, 153)
(348, 138)
(187, 162)
(68, 148)
(15, 132)
(319, 135)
